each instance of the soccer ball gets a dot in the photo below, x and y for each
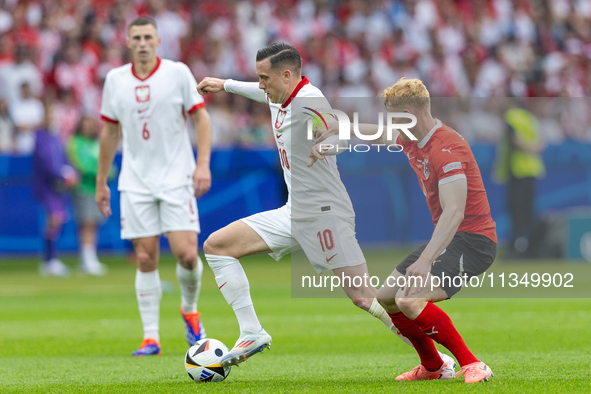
(203, 361)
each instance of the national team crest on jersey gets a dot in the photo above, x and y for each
(142, 93)
(280, 118)
(426, 168)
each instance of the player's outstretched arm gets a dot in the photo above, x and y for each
(247, 89)
(108, 147)
(202, 174)
(452, 197)
(210, 85)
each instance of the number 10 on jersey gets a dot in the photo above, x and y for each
(283, 156)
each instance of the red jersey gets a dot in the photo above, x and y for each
(444, 156)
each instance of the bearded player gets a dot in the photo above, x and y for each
(159, 178)
(326, 209)
(464, 242)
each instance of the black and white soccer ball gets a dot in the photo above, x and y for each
(203, 361)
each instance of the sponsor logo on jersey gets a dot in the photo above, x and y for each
(452, 166)
(280, 118)
(142, 93)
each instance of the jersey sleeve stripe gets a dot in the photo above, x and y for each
(452, 178)
(196, 107)
(107, 119)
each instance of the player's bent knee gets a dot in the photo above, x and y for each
(209, 246)
(407, 304)
(216, 244)
(145, 262)
(187, 258)
(387, 303)
(363, 303)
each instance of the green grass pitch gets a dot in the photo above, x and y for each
(76, 335)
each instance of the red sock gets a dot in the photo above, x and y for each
(423, 344)
(438, 326)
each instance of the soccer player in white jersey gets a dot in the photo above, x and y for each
(159, 179)
(326, 208)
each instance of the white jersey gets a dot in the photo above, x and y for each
(157, 152)
(313, 191)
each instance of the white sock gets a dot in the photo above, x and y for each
(190, 281)
(233, 283)
(376, 310)
(88, 254)
(149, 293)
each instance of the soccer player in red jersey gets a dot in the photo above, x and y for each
(463, 244)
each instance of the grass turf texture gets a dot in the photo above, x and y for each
(77, 334)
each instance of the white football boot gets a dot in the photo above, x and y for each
(246, 346)
(94, 268)
(54, 267)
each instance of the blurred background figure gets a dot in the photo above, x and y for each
(67, 114)
(52, 176)
(21, 70)
(83, 152)
(519, 163)
(27, 114)
(6, 128)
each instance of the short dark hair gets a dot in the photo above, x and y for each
(142, 21)
(280, 55)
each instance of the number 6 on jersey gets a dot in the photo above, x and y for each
(146, 132)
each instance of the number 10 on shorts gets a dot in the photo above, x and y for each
(326, 240)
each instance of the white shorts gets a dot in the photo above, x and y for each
(328, 241)
(147, 215)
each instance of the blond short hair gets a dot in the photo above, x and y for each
(407, 93)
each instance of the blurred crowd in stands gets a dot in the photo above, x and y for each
(54, 55)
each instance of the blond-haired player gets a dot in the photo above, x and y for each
(159, 179)
(463, 243)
